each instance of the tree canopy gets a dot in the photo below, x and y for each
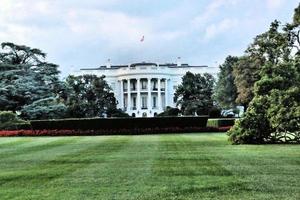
(25, 77)
(225, 90)
(194, 94)
(273, 114)
(90, 96)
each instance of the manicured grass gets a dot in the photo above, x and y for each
(190, 166)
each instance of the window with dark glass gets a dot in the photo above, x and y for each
(154, 102)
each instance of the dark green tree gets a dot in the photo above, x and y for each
(194, 95)
(25, 77)
(90, 96)
(225, 90)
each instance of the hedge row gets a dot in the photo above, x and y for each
(119, 123)
(220, 122)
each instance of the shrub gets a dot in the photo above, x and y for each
(214, 112)
(10, 121)
(222, 122)
(169, 112)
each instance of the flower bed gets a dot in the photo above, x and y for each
(10, 133)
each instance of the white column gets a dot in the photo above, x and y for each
(149, 94)
(128, 95)
(166, 93)
(122, 95)
(138, 101)
(159, 95)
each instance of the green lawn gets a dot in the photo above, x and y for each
(191, 166)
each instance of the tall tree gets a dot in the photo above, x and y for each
(246, 73)
(90, 96)
(25, 77)
(274, 112)
(269, 47)
(225, 90)
(194, 95)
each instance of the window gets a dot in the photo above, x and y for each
(133, 85)
(144, 84)
(163, 85)
(154, 85)
(154, 102)
(125, 86)
(144, 102)
(134, 103)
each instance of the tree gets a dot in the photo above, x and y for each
(90, 96)
(225, 90)
(246, 73)
(48, 108)
(274, 112)
(194, 95)
(25, 77)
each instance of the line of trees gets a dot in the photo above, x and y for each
(30, 86)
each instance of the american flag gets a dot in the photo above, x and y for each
(142, 39)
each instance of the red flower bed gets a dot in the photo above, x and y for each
(10, 133)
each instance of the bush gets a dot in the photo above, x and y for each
(10, 121)
(222, 122)
(169, 112)
(214, 112)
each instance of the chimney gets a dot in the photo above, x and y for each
(178, 61)
(108, 65)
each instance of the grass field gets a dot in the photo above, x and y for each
(191, 166)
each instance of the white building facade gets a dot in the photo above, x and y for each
(145, 89)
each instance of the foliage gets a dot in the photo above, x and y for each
(215, 112)
(246, 73)
(220, 122)
(194, 95)
(169, 112)
(9, 120)
(48, 108)
(90, 96)
(225, 90)
(25, 77)
(119, 123)
(274, 113)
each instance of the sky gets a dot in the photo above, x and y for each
(78, 34)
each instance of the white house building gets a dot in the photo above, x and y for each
(145, 89)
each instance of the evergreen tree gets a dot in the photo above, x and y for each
(225, 90)
(25, 77)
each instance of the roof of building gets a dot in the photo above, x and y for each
(170, 65)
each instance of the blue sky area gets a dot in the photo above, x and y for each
(77, 34)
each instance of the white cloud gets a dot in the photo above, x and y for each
(216, 29)
(211, 11)
(274, 4)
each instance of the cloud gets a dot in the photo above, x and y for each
(86, 33)
(211, 11)
(274, 4)
(216, 29)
